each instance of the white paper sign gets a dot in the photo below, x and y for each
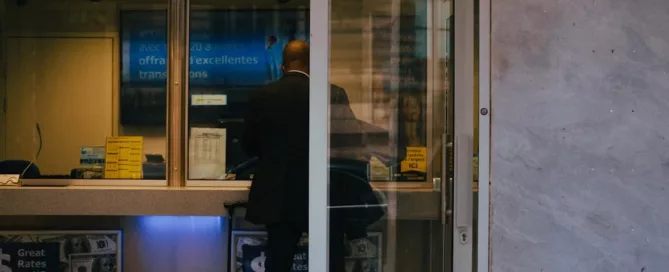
(209, 100)
(206, 153)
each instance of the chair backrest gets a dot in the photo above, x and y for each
(16, 167)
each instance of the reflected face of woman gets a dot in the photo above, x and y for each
(411, 108)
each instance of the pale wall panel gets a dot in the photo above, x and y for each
(579, 136)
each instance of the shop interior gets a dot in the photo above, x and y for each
(83, 71)
(77, 72)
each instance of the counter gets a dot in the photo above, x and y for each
(195, 201)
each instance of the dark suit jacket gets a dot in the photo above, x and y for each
(277, 132)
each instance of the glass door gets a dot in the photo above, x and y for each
(464, 143)
(395, 81)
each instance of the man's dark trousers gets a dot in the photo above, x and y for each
(282, 240)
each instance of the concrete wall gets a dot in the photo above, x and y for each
(580, 154)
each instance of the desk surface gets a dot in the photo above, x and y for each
(195, 201)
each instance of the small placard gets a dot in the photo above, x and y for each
(209, 100)
(414, 166)
(92, 156)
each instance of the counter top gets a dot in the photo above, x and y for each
(117, 201)
(191, 201)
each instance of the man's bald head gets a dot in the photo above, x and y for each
(296, 56)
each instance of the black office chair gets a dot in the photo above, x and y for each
(16, 167)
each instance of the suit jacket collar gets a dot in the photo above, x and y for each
(296, 73)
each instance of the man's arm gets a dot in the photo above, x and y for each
(347, 137)
(340, 105)
(348, 132)
(252, 119)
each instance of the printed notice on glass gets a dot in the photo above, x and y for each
(206, 153)
(123, 157)
(414, 166)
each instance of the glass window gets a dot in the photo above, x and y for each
(84, 92)
(234, 49)
(390, 86)
(379, 62)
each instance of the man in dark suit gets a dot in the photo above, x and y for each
(277, 132)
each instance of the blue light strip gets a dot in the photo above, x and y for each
(182, 223)
(178, 243)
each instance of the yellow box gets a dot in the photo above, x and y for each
(124, 157)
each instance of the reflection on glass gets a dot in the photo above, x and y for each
(69, 113)
(233, 51)
(399, 96)
(397, 87)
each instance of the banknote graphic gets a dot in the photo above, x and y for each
(93, 263)
(363, 255)
(4, 260)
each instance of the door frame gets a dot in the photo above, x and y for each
(319, 101)
(475, 78)
(3, 81)
(463, 76)
(485, 113)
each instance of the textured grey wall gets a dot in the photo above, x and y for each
(580, 135)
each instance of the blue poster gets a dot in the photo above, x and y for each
(230, 48)
(65, 251)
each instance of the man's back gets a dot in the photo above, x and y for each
(277, 131)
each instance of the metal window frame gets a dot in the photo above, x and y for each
(176, 6)
(465, 57)
(178, 12)
(484, 82)
(319, 101)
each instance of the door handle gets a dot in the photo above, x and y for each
(463, 194)
(446, 180)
